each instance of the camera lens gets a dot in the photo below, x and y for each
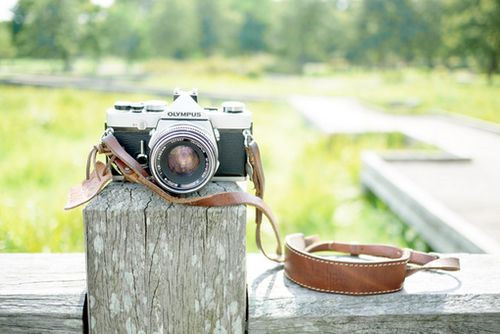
(183, 158)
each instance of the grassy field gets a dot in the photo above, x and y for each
(409, 91)
(313, 180)
(404, 90)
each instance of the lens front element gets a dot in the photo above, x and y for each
(183, 160)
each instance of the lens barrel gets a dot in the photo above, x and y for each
(183, 158)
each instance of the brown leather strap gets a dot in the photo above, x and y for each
(90, 187)
(355, 277)
(301, 264)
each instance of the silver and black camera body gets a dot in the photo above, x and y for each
(183, 145)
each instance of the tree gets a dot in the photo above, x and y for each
(219, 24)
(256, 23)
(125, 31)
(475, 27)
(429, 30)
(386, 32)
(92, 39)
(174, 29)
(21, 10)
(300, 35)
(7, 49)
(47, 29)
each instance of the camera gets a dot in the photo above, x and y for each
(182, 145)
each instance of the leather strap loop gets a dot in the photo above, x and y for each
(385, 274)
(448, 263)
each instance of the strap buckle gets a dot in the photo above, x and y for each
(436, 255)
(107, 132)
(248, 139)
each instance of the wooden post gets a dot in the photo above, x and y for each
(155, 267)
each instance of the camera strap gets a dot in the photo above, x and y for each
(384, 272)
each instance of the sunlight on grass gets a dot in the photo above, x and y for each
(312, 180)
(402, 90)
(44, 137)
(405, 90)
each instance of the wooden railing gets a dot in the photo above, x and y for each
(152, 268)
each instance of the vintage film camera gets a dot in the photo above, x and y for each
(183, 145)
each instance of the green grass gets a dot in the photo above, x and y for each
(313, 184)
(413, 91)
(43, 138)
(312, 179)
(405, 90)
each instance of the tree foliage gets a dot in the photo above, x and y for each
(255, 24)
(174, 29)
(301, 34)
(125, 31)
(475, 31)
(378, 33)
(47, 29)
(386, 32)
(91, 42)
(6, 47)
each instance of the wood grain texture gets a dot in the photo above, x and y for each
(467, 301)
(155, 267)
(42, 293)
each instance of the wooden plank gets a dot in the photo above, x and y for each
(155, 267)
(442, 228)
(467, 301)
(42, 293)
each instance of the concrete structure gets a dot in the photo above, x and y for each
(462, 181)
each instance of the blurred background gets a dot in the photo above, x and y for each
(64, 62)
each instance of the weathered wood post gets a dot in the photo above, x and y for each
(155, 267)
